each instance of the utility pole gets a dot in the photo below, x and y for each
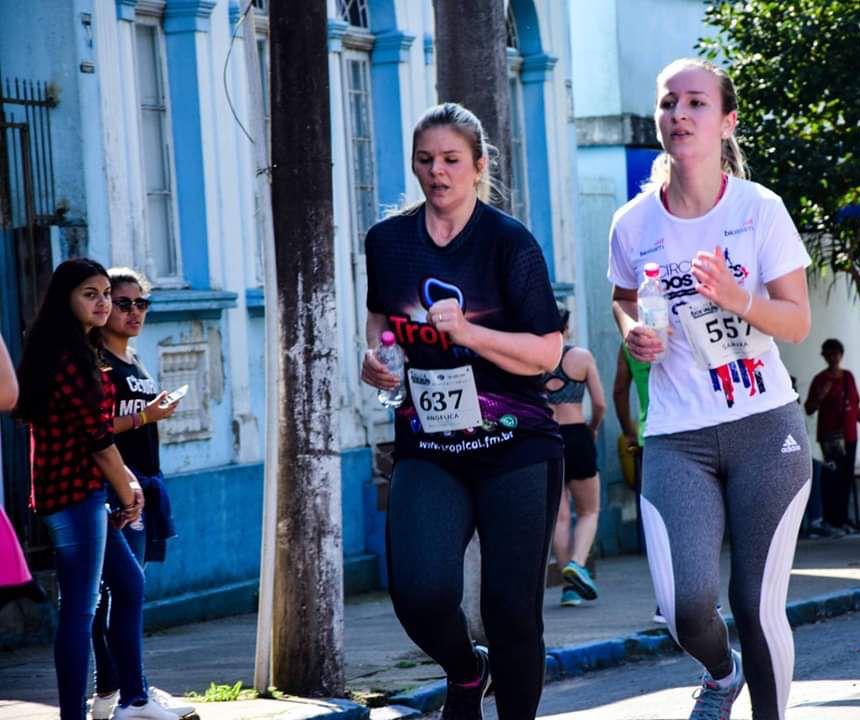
(300, 628)
(274, 390)
(472, 69)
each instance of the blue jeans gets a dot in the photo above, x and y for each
(107, 676)
(87, 549)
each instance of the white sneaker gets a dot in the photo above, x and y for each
(102, 707)
(168, 702)
(150, 710)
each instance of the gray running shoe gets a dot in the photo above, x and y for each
(714, 702)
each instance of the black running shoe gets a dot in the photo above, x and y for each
(466, 703)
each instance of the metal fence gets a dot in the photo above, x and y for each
(27, 193)
(27, 210)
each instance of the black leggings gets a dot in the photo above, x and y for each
(432, 515)
(836, 485)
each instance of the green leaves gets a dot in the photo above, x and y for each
(224, 693)
(797, 71)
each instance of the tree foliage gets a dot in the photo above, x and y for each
(796, 66)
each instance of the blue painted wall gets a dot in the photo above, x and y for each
(639, 161)
(603, 189)
(535, 70)
(41, 44)
(362, 566)
(181, 45)
(374, 530)
(355, 474)
(213, 566)
(218, 514)
(389, 51)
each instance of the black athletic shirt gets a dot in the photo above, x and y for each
(134, 389)
(495, 268)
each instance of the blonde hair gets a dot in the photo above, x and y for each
(466, 124)
(732, 160)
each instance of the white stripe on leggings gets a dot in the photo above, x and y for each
(659, 555)
(774, 592)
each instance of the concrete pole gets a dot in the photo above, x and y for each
(307, 618)
(274, 390)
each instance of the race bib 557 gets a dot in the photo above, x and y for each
(717, 336)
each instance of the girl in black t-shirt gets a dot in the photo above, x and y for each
(138, 408)
(66, 397)
(466, 291)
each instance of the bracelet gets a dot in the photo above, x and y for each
(135, 421)
(749, 304)
(143, 419)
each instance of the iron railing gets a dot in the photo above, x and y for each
(26, 155)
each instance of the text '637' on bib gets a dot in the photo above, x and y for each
(445, 400)
(717, 336)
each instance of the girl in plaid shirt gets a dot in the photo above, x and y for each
(67, 399)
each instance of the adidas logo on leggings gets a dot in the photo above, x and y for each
(790, 445)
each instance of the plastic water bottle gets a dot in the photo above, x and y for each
(653, 307)
(390, 354)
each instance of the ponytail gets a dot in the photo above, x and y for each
(732, 160)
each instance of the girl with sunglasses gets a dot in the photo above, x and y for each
(66, 397)
(137, 410)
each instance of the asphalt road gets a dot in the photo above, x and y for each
(826, 683)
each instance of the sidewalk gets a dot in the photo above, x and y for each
(381, 659)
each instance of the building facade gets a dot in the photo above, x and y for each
(148, 165)
(619, 46)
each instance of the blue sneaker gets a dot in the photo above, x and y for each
(714, 702)
(569, 597)
(579, 577)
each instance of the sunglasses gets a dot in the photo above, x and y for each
(124, 304)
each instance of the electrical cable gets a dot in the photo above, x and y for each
(235, 32)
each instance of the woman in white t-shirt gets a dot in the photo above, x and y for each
(727, 445)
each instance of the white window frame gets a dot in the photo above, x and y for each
(356, 48)
(342, 8)
(262, 37)
(150, 13)
(519, 149)
(357, 44)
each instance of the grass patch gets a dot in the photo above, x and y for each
(224, 693)
(371, 698)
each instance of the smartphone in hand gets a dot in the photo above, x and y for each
(175, 396)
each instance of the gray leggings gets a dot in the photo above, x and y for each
(752, 476)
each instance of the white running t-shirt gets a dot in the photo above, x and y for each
(760, 243)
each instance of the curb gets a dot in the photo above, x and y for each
(573, 660)
(425, 698)
(343, 710)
